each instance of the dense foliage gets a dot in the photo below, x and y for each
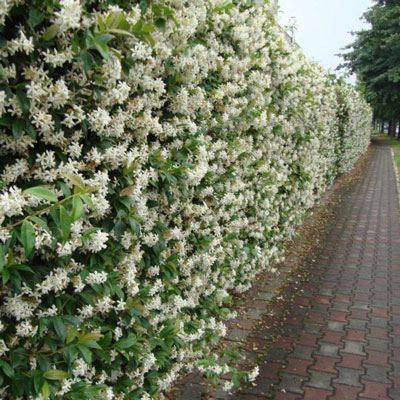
(375, 57)
(154, 157)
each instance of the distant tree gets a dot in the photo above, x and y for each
(375, 57)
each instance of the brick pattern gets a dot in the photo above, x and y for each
(339, 335)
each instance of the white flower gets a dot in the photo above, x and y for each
(96, 278)
(97, 241)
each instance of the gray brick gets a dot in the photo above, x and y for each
(396, 319)
(321, 380)
(312, 328)
(396, 369)
(379, 322)
(262, 387)
(395, 301)
(238, 335)
(340, 307)
(335, 326)
(396, 341)
(378, 345)
(328, 349)
(303, 352)
(357, 324)
(193, 391)
(360, 305)
(380, 303)
(276, 355)
(348, 376)
(393, 395)
(344, 290)
(376, 373)
(320, 308)
(291, 383)
(265, 296)
(353, 347)
(326, 292)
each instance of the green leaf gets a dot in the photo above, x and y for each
(7, 369)
(28, 237)
(18, 126)
(77, 208)
(86, 353)
(60, 329)
(56, 374)
(2, 258)
(35, 17)
(72, 334)
(45, 391)
(42, 193)
(51, 32)
(41, 223)
(5, 275)
(65, 221)
(161, 24)
(126, 342)
(23, 101)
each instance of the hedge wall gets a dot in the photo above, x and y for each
(155, 156)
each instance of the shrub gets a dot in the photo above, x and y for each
(154, 157)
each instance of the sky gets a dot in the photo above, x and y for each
(323, 26)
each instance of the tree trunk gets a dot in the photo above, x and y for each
(394, 126)
(398, 132)
(382, 126)
(390, 128)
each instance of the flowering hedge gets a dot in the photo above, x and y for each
(155, 156)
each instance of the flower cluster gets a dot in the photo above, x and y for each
(154, 157)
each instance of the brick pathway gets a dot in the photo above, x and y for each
(341, 340)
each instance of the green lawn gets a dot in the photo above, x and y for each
(395, 144)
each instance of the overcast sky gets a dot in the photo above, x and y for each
(323, 26)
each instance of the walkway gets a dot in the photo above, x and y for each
(342, 339)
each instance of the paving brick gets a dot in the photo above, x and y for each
(353, 347)
(357, 324)
(348, 376)
(291, 383)
(351, 361)
(303, 352)
(378, 345)
(356, 335)
(325, 364)
(379, 333)
(377, 358)
(297, 367)
(333, 337)
(308, 339)
(316, 394)
(376, 373)
(285, 396)
(320, 380)
(269, 369)
(335, 326)
(345, 392)
(375, 390)
(328, 349)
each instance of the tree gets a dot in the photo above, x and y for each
(375, 57)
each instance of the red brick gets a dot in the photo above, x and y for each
(364, 282)
(345, 392)
(396, 354)
(308, 339)
(248, 397)
(302, 301)
(361, 296)
(326, 300)
(280, 396)
(315, 394)
(325, 364)
(358, 314)
(396, 382)
(256, 343)
(396, 309)
(283, 342)
(297, 367)
(381, 281)
(375, 390)
(380, 312)
(343, 298)
(316, 318)
(378, 333)
(396, 328)
(358, 336)
(338, 316)
(351, 361)
(377, 358)
(333, 337)
(270, 370)
(379, 296)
